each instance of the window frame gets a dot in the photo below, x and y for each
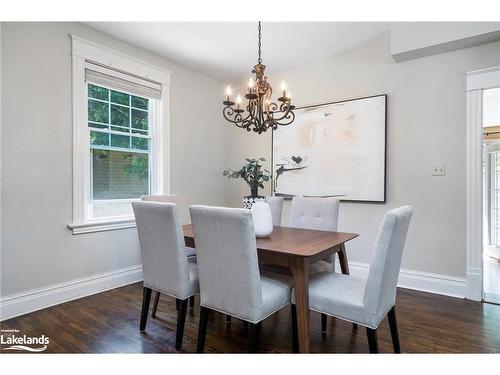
(86, 51)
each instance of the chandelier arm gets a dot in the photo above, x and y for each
(237, 119)
(283, 112)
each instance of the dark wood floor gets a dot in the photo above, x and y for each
(109, 323)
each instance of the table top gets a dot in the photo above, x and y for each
(295, 241)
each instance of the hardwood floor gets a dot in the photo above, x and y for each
(109, 323)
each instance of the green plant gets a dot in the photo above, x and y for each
(252, 173)
(139, 165)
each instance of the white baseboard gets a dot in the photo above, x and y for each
(26, 302)
(23, 303)
(422, 281)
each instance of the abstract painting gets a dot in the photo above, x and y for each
(335, 149)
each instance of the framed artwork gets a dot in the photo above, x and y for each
(333, 149)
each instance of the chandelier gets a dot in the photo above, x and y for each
(260, 113)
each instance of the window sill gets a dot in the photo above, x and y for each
(102, 225)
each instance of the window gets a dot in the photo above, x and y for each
(120, 144)
(120, 150)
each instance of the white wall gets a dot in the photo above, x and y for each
(426, 126)
(36, 151)
(412, 40)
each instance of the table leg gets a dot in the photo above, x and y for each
(300, 270)
(344, 266)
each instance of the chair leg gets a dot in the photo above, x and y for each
(394, 330)
(252, 337)
(295, 333)
(181, 319)
(191, 301)
(202, 329)
(372, 339)
(155, 304)
(146, 298)
(324, 322)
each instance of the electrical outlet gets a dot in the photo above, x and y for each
(439, 170)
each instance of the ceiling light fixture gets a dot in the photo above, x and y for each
(260, 113)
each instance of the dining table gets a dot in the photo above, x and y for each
(295, 250)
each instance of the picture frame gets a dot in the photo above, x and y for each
(333, 149)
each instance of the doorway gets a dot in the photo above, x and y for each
(491, 194)
(479, 223)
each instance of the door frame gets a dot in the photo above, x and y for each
(477, 82)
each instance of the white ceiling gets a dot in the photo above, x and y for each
(228, 50)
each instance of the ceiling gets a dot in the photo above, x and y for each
(228, 50)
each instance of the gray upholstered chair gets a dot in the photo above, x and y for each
(165, 265)
(230, 281)
(276, 204)
(319, 214)
(367, 302)
(166, 198)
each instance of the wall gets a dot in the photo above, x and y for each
(36, 152)
(410, 40)
(426, 126)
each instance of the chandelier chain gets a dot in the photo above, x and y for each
(259, 60)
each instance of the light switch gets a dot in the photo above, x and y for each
(439, 170)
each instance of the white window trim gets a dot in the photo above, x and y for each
(84, 50)
(477, 81)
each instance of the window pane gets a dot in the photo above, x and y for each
(120, 116)
(140, 143)
(98, 111)
(99, 139)
(117, 175)
(139, 119)
(98, 92)
(122, 141)
(139, 102)
(120, 98)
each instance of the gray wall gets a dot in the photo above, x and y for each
(36, 152)
(426, 126)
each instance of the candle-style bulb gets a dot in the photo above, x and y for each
(283, 86)
(229, 91)
(238, 99)
(289, 95)
(250, 83)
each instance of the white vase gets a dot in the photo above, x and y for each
(262, 219)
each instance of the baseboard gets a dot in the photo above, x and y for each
(422, 281)
(37, 299)
(23, 303)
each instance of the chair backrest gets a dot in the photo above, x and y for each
(380, 293)
(314, 213)
(276, 204)
(226, 253)
(165, 198)
(163, 252)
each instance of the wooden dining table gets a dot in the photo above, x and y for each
(295, 250)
